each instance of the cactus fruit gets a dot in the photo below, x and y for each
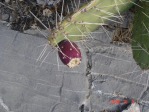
(140, 35)
(69, 53)
(87, 19)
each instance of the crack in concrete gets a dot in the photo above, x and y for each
(61, 88)
(86, 104)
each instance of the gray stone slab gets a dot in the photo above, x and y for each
(114, 72)
(30, 83)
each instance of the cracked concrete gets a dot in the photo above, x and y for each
(33, 79)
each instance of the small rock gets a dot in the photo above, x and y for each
(5, 17)
(41, 2)
(7, 1)
(47, 12)
(50, 2)
(11, 18)
(9, 24)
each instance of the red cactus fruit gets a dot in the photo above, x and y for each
(69, 53)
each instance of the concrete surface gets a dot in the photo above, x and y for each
(30, 82)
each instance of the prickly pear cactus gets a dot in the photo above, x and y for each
(140, 36)
(87, 19)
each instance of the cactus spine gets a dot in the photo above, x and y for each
(140, 35)
(87, 19)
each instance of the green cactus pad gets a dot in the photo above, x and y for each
(87, 19)
(140, 36)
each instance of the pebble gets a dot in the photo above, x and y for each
(41, 2)
(11, 18)
(5, 17)
(7, 1)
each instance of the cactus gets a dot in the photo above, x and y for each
(87, 19)
(140, 35)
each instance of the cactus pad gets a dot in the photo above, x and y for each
(87, 19)
(140, 36)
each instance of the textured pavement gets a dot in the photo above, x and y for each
(33, 79)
